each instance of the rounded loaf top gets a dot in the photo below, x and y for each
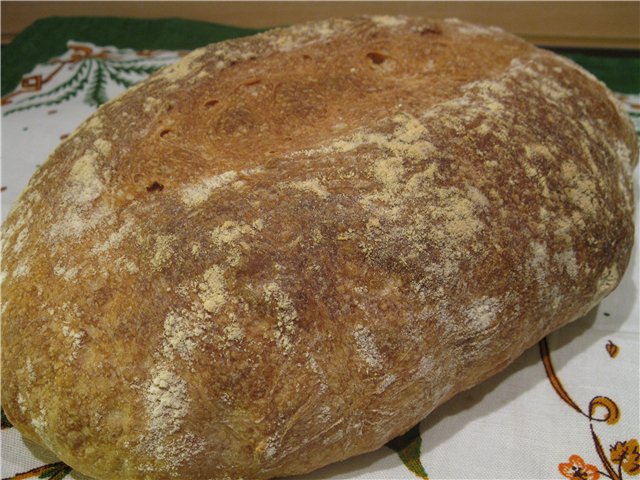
(287, 249)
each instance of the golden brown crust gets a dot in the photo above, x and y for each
(289, 248)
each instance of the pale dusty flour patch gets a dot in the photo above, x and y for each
(608, 280)
(20, 239)
(127, 264)
(483, 312)
(197, 193)
(68, 274)
(22, 403)
(229, 232)
(335, 437)
(167, 403)
(40, 423)
(187, 66)
(588, 126)
(95, 123)
(313, 364)
(316, 235)
(581, 189)
(533, 150)
(84, 183)
(233, 333)
(623, 152)
(102, 146)
(271, 447)
(388, 20)
(31, 375)
(115, 239)
(163, 250)
(312, 185)
(348, 234)
(404, 142)
(298, 36)
(234, 56)
(75, 222)
(286, 315)
(425, 367)
(539, 260)
(387, 380)
(362, 290)
(75, 338)
(166, 400)
(21, 270)
(567, 259)
(258, 224)
(450, 217)
(150, 104)
(317, 369)
(211, 290)
(181, 332)
(389, 172)
(470, 29)
(23, 214)
(325, 414)
(228, 237)
(366, 346)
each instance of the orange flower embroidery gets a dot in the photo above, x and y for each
(612, 349)
(578, 469)
(626, 455)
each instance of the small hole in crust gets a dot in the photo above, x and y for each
(252, 82)
(165, 132)
(211, 103)
(376, 58)
(155, 187)
(306, 57)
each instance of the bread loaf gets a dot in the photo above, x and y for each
(287, 249)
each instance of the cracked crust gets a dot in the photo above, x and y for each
(287, 249)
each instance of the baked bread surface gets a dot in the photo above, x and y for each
(288, 249)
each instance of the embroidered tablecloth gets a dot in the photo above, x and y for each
(568, 407)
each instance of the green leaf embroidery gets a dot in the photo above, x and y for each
(5, 421)
(70, 93)
(75, 78)
(129, 61)
(97, 94)
(56, 471)
(113, 75)
(95, 70)
(139, 69)
(407, 447)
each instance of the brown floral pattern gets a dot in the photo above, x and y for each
(626, 456)
(612, 349)
(52, 471)
(623, 454)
